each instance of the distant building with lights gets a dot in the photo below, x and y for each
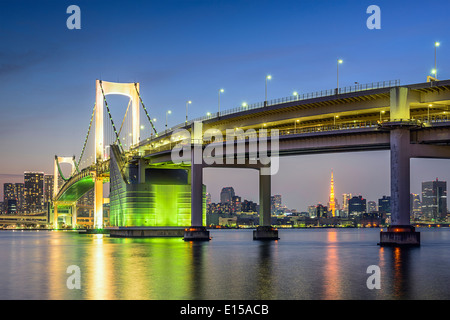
(434, 200)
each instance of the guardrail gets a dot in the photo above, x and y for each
(299, 97)
(285, 132)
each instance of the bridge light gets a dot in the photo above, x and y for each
(208, 114)
(142, 127)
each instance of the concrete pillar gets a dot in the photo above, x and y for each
(196, 231)
(264, 199)
(400, 176)
(265, 230)
(197, 195)
(400, 232)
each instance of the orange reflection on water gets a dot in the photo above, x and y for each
(332, 276)
(98, 274)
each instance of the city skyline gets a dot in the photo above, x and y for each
(320, 191)
(57, 69)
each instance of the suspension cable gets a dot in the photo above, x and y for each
(110, 117)
(123, 120)
(148, 117)
(87, 136)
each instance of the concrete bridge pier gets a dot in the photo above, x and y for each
(400, 232)
(196, 232)
(265, 231)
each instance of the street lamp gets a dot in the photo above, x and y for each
(167, 113)
(295, 94)
(334, 119)
(436, 44)
(381, 112)
(339, 61)
(428, 116)
(220, 91)
(295, 125)
(268, 77)
(187, 103)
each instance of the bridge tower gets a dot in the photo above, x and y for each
(56, 172)
(104, 88)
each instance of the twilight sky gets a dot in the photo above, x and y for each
(182, 50)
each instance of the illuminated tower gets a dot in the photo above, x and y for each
(332, 203)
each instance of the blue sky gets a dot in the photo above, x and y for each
(186, 50)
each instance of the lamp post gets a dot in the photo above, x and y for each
(218, 112)
(187, 103)
(268, 77)
(381, 112)
(295, 93)
(428, 116)
(436, 44)
(334, 120)
(339, 61)
(167, 113)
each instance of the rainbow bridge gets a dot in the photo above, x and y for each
(157, 181)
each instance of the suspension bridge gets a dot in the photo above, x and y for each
(147, 189)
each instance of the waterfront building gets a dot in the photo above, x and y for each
(33, 191)
(226, 195)
(434, 200)
(357, 205)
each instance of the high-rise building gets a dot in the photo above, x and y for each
(226, 195)
(384, 206)
(332, 199)
(372, 206)
(311, 211)
(434, 199)
(357, 205)
(208, 198)
(14, 191)
(9, 191)
(415, 205)
(321, 211)
(236, 204)
(48, 188)
(275, 202)
(345, 198)
(34, 191)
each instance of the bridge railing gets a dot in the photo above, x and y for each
(283, 132)
(305, 96)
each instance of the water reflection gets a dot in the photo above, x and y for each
(196, 266)
(267, 254)
(304, 264)
(397, 266)
(331, 268)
